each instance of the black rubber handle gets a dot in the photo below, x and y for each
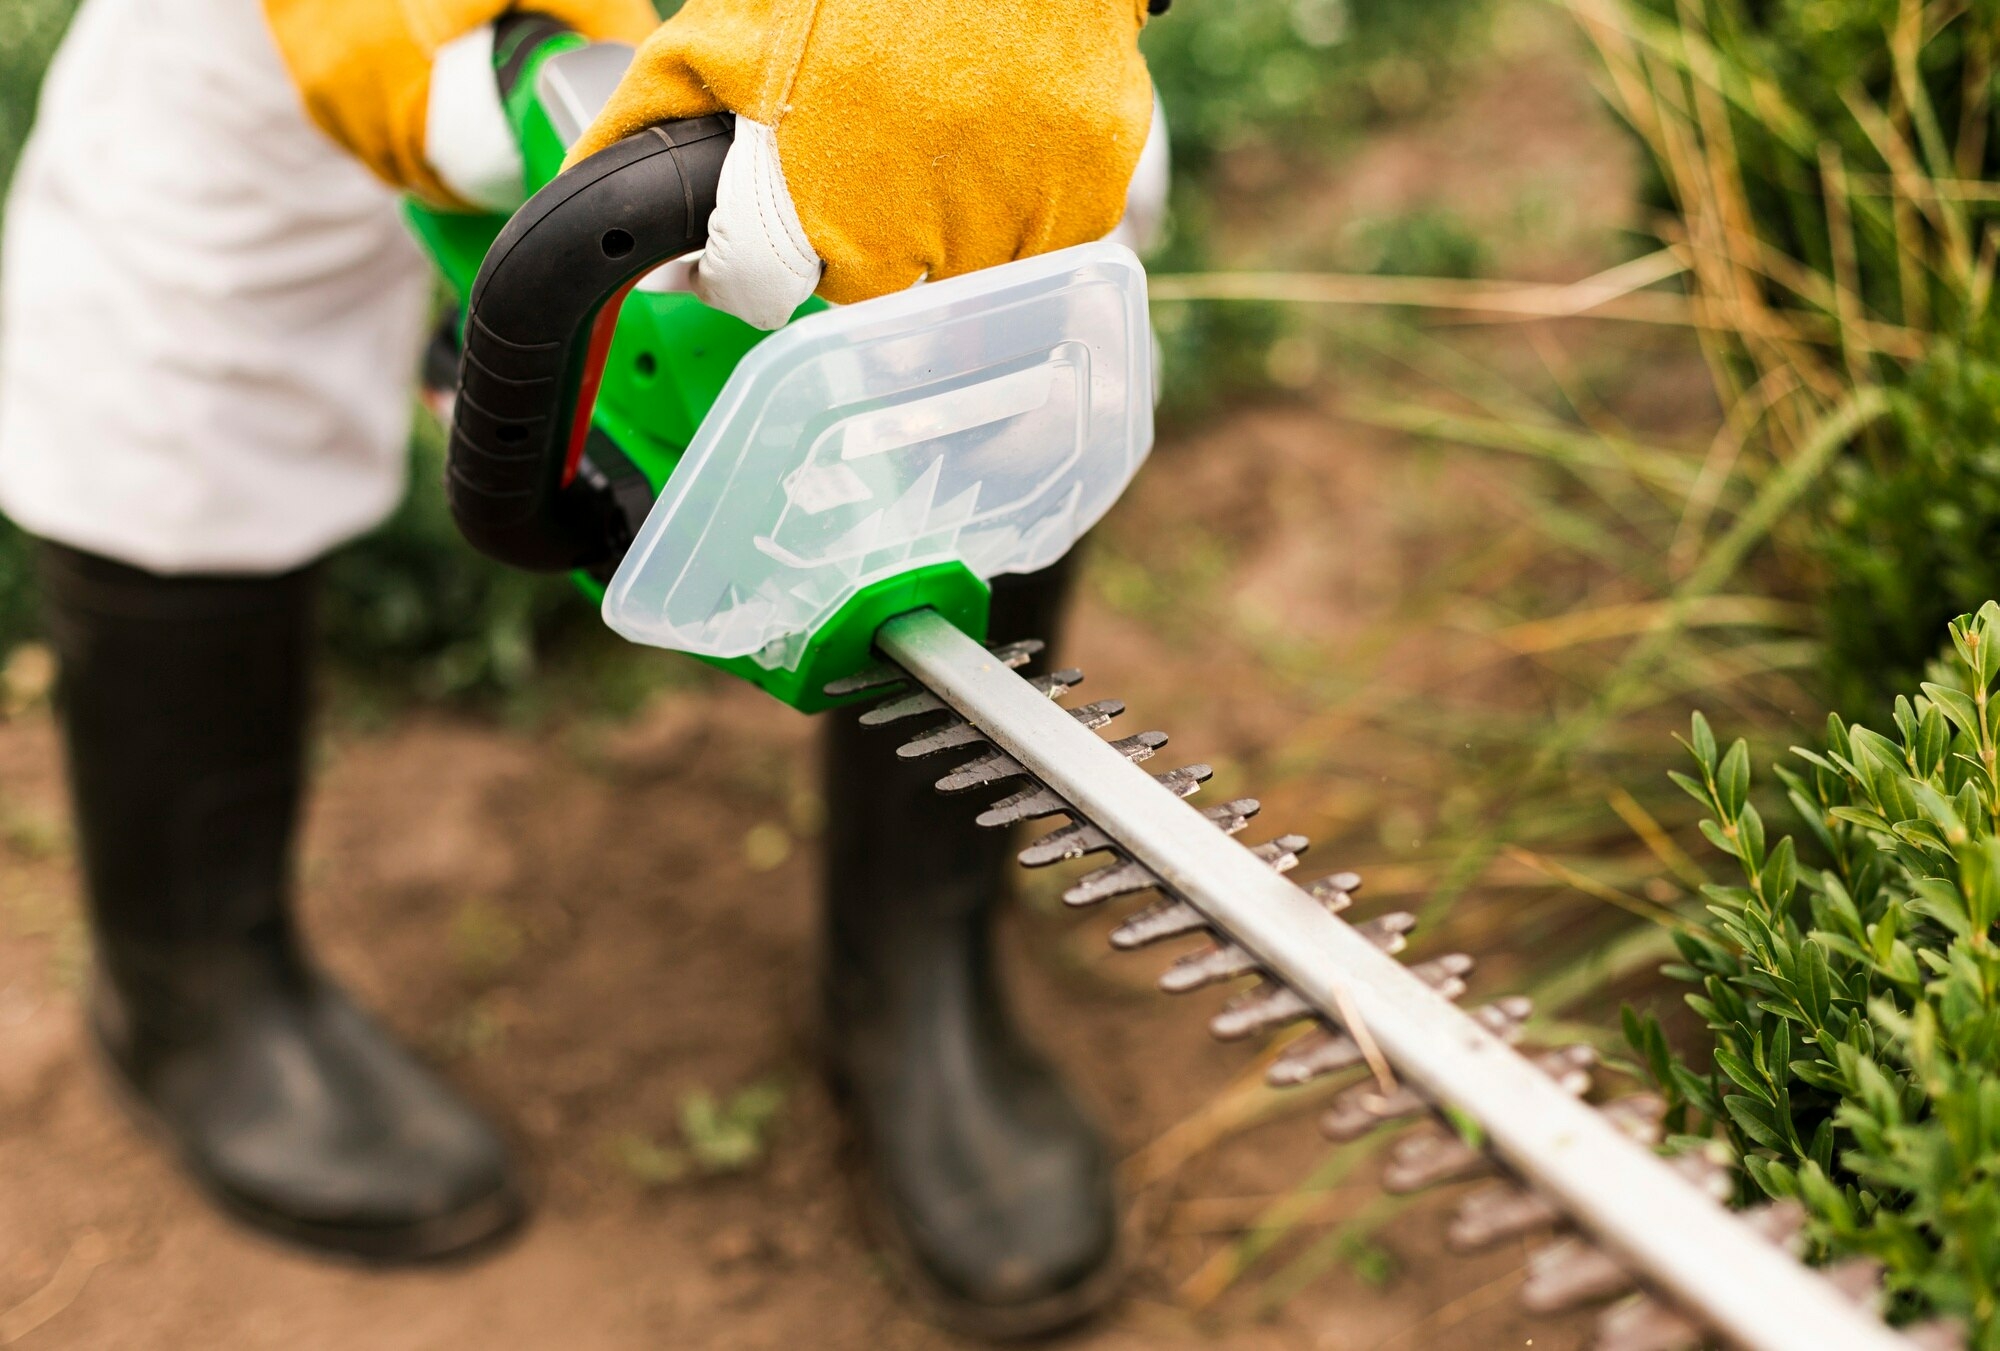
(540, 317)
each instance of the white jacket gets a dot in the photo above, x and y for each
(210, 316)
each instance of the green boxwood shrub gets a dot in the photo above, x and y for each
(1854, 1004)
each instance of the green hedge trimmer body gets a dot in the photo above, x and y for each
(646, 368)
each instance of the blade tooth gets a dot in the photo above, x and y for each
(1323, 1052)
(1162, 919)
(1638, 1115)
(1027, 805)
(1016, 655)
(1185, 781)
(1498, 1020)
(1114, 879)
(1056, 683)
(1360, 1109)
(1440, 969)
(1141, 746)
(1859, 1278)
(1282, 853)
(1389, 932)
(1451, 988)
(1098, 713)
(1225, 961)
(1330, 1050)
(1782, 1222)
(1065, 842)
(1706, 1173)
(951, 736)
(909, 706)
(1233, 816)
(1569, 1274)
(1642, 1323)
(1504, 1016)
(1569, 1066)
(1428, 1157)
(877, 677)
(1937, 1334)
(958, 732)
(1335, 891)
(1267, 1007)
(1493, 1214)
(1445, 974)
(988, 768)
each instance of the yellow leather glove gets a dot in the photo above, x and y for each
(879, 142)
(363, 67)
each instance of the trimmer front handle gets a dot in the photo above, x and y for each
(763, 502)
(539, 324)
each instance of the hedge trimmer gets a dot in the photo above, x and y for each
(819, 510)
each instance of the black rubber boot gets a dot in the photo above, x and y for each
(183, 703)
(995, 1190)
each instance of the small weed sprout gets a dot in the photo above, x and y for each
(718, 1137)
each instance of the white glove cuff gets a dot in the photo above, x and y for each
(1146, 198)
(759, 265)
(467, 139)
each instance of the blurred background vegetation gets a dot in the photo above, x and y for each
(1824, 166)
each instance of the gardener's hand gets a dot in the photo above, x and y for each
(407, 85)
(880, 142)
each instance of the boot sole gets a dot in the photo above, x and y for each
(1044, 1317)
(463, 1234)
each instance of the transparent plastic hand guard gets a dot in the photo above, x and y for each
(989, 419)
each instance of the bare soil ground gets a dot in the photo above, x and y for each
(582, 944)
(586, 922)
